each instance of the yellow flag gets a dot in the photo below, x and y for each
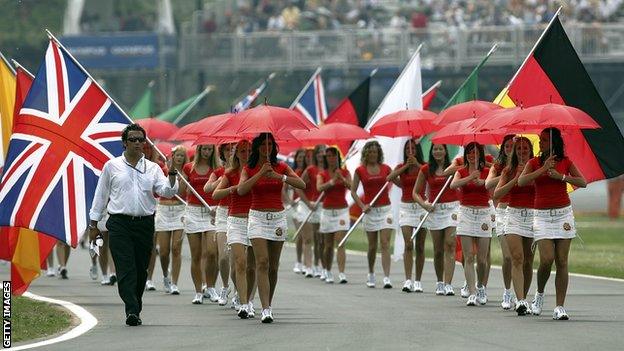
(7, 100)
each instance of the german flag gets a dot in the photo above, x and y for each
(553, 72)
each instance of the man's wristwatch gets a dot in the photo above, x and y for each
(91, 226)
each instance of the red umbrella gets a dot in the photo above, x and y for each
(412, 123)
(278, 121)
(460, 133)
(331, 133)
(157, 129)
(165, 147)
(466, 110)
(552, 115)
(497, 119)
(207, 124)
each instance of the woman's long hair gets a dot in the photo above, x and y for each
(417, 148)
(433, 164)
(212, 160)
(557, 144)
(502, 159)
(297, 153)
(236, 162)
(255, 150)
(335, 151)
(179, 148)
(480, 160)
(366, 149)
(317, 149)
(515, 160)
(222, 153)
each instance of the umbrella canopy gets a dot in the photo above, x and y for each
(461, 133)
(331, 133)
(411, 123)
(497, 119)
(552, 115)
(278, 121)
(206, 125)
(157, 129)
(165, 147)
(466, 110)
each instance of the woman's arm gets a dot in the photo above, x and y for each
(293, 179)
(223, 189)
(324, 186)
(211, 183)
(575, 178)
(505, 184)
(418, 187)
(452, 168)
(394, 175)
(354, 195)
(245, 184)
(529, 175)
(493, 178)
(459, 182)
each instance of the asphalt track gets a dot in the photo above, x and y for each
(311, 315)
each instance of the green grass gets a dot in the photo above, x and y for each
(600, 253)
(34, 319)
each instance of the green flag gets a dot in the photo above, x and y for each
(144, 107)
(467, 91)
(172, 114)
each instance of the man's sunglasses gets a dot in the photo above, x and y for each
(134, 140)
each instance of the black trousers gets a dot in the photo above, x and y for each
(131, 245)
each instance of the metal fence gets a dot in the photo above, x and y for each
(443, 47)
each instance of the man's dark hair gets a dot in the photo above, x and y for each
(129, 128)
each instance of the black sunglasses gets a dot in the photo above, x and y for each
(133, 140)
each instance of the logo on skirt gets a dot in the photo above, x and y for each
(389, 220)
(421, 217)
(454, 216)
(493, 217)
(567, 227)
(484, 227)
(342, 222)
(278, 231)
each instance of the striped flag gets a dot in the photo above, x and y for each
(248, 99)
(311, 101)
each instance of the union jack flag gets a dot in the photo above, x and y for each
(66, 130)
(311, 102)
(252, 96)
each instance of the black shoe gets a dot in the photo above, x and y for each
(133, 320)
(63, 273)
(113, 280)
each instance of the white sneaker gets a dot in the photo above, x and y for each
(522, 308)
(235, 302)
(105, 280)
(538, 303)
(329, 278)
(387, 283)
(251, 313)
(323, 274)
(167, 285)
(50, 272)
(198, 299)
(472, 300)
(267, 316)
(309, 272)
(407, 286)
(175, 290)
(342, 278)
(223, 296)
(481, 295)
(317, 272)
(506, 304)
(211, 293)
(439, 288)
(243, 312)
(149, 286)
(417, 287)
(370, 282)
(560, 314)
(297, 268)
(464, 291)
(93, 272)
(448, 290)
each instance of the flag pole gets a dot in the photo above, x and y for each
(342, 242)
(434, 86)
(6, 62)
(199, 97)
(188, 185)
(305, 87)
(435, 201)
(316, 203)
(18, 66)
(555, 16)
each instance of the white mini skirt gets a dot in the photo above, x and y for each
(334, 220)
(221, 216)
(237, 231)
(378, 218)
(556, 223)
(410, 214)
(519, 221)
(169, 217)
(475, 222)
(267, 225)
(499, 220)
(444, 215)
(198, 220)
(303, 211)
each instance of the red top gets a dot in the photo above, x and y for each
(335, 195)
(435, 184)
(499, 169)
(298, 172)
(471, 194)
(267, 192)
(407, 185)
(373, 183)
(239, 204)
(488, 159)
(197, 181)
(522, 196)
(311, 192)
(551, 193)
(225, 202)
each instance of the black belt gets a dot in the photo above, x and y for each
(131, 218)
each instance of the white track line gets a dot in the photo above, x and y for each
(87, 322)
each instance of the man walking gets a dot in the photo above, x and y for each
(126, 191)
